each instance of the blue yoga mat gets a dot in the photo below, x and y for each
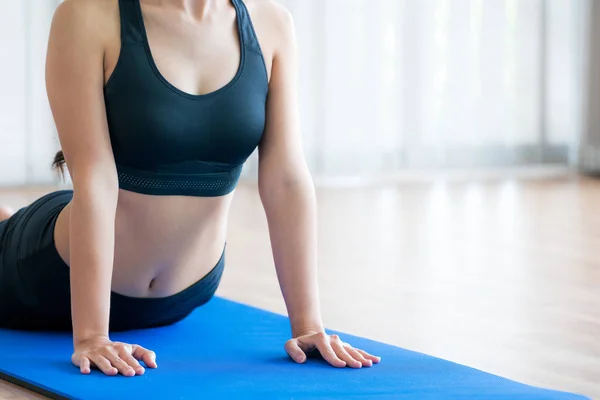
(226, 350)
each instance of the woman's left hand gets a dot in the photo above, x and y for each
(332, 349)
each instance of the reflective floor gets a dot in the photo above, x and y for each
(502, 276)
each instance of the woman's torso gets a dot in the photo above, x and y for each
(163, 244)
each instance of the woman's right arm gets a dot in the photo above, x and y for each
(75, 82)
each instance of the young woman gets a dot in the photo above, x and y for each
(158, 103)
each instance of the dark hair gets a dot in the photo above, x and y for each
(59, 163)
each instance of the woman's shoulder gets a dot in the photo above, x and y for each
(92, 15)
(270, 12)
(273, 23)
(94, 20)
(88, 8)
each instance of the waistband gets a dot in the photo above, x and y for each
(145, 312)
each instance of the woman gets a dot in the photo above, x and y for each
(158, 103)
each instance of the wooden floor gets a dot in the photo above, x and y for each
(502, 276)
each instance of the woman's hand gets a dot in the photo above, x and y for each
(331, 348)
(112, 358)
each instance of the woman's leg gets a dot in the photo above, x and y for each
(5, 213)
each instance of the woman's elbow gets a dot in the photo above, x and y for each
(277, 184)
(100, 182)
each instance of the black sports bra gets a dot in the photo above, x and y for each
(168, 142)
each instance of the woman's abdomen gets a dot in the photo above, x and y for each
(163, 244)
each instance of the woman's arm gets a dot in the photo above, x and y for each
(286, 188)
(288, 196)
(75, 81)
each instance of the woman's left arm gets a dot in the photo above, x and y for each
(288, 196)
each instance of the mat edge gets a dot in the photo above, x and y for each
(34, 387)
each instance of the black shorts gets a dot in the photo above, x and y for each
(35, 285)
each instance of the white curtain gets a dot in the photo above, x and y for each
(386, 85)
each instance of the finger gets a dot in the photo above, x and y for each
(131, 361)
(118, 363)
(103, 364)
(357, 356)
(84, 365)
(145, 355)
(368, 356)
(328, 354)
(294, 351)
(341, 352)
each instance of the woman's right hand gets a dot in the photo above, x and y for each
(111, 357)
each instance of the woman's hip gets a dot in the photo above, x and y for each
(26, 263)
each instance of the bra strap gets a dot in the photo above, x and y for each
(247, 29)
(131, 31)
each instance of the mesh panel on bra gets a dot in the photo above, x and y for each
(217, 184)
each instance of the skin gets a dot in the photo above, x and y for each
(177, 239)
(5, 213)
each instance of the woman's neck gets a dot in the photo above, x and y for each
(197, 9)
